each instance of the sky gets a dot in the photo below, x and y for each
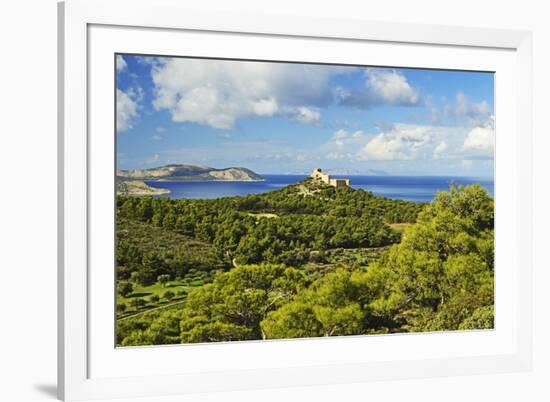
(287, 118)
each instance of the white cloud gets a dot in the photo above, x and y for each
(480, 141)
(402, 143)
(439, 150)
(384, 147)
(340, 134)
(306, 115)
(121, 64)
(217, 93)
(395, 142)
(382, 87)
(467, 112)
(391, 86)
(127, 106)
(342, 145)
(160, 130)
(265, 107)
(398, 143)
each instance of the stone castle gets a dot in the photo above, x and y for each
(318, 174)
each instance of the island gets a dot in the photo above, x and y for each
(132, 182)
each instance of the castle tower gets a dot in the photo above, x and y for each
(318, 174)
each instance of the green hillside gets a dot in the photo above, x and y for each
(305, 260)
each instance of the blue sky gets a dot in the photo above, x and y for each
(289, 118)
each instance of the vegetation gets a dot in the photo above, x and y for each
(124, 288)
(153, 295)
(304, 261)
(163, 279)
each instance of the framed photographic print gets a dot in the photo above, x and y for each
(266, 201)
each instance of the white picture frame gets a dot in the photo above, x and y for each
(90, 32)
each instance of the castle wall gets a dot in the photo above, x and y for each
(339, 182)
(325, 178)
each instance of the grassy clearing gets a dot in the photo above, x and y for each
(399, 227)
(178, 288)
(156, 289)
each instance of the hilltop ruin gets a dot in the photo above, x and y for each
(318, 174)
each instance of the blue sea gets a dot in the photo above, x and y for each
(410, 188)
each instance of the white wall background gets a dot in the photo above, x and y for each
(28, 198)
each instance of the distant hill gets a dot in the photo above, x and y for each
(355, 172)
(190, 172)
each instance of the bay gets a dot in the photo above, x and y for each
(410, 188)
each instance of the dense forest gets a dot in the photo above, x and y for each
(303, 261)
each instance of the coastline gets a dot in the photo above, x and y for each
(146, 193)
(138, 188)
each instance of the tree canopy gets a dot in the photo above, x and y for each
(437, 275)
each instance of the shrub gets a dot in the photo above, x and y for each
(137, 303)
(168, 295)
(124, 288)
(163, 279)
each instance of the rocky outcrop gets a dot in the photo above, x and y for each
(138, 188)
